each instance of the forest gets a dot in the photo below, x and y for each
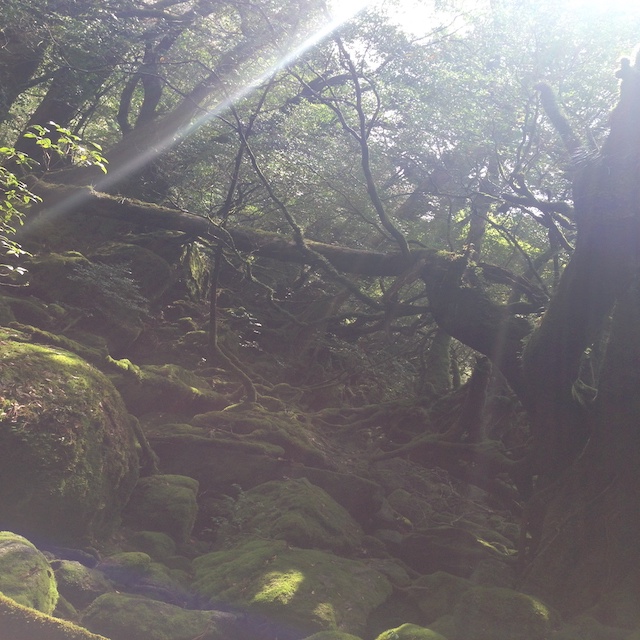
(319, 322)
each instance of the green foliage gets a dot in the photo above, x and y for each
(60, 141)
(14, 197)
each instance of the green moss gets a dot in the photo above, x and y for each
(96, 356)
(155, 543)
(164, 503)
(178, 563)
(410, 632)
(80, 585)
(65, 610)
(256, 424)
(218, 465)
(67, 452)
(307, 589)
(438, 593)
(489, 613)
(25, 574)
(168, 388)
(18, 622)
(331, 635)
(300, 513)
(135, 569)
(121, 617)
(27, 310)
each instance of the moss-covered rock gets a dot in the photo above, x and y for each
(68, 459)
(218, 464)
(78, 584)
(26, 310)
(25, 574)
(168, 387)
(306, 590)
(587, 628)
(438, 593)
(165, 503)
(122, 617)
(258, 425)
(450, 549)
(300, 513)
(158, 545)
(410, 632)
(136, 572)
(18, 622)
(488, 613)
(332, 635)
(359, 496)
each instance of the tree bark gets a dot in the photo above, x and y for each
(584, 520)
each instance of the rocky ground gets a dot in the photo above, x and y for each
(140, 500)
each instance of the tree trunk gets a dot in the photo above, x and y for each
(584, 520)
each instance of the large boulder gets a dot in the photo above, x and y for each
(135, 572)
(123, 617)
(165, 503)
(332, 635)
(491, 613)
(78, 584)
(25, 574)
(438, 593)
(68, 460)
(300, 513)
(18, 622)
(298, 590)
(410, 632)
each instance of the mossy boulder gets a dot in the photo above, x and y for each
(168, 387)
(18, 622)
(332, 635)
(78, 584)
(305, 590)
(218, 464)
(26, 310)
(491, 613)
(68, 460)
(165, 503)
(410, 632)
(359, 496)
(158, 545)
(300, 513)
(25, 574)
(450, 549)
(438, 593)
(123, 617)
(257, 425)
(136, 572)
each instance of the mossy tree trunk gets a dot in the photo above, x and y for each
(584, 518)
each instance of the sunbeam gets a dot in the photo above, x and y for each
(342, 14)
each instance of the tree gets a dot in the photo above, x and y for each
(465, 230)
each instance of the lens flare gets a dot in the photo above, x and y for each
(343, 14)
